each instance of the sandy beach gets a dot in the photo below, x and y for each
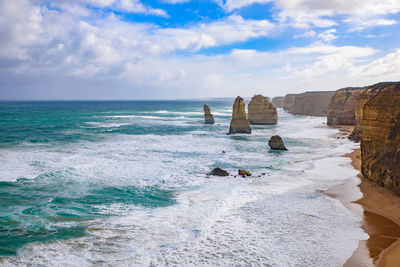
(380, 210)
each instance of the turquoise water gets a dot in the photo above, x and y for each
(124, 183)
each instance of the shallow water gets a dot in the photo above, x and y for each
(123, 183)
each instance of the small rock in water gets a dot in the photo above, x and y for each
(223, 152)
(244, 173)
(276, 143)
(218, 172)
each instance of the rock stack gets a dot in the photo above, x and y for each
(380, 142)
(276, 143)
(239, 122)
(208, 117)
(261, 111)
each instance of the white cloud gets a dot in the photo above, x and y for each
(307, 34)
(309, 13)
(360, 24)
(327, 35)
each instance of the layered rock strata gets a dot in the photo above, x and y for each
(380, 143)
(342, 107)
(288, 101)
(239, 121)
(261, 111)
(278, 101)
(208, 117)
(366, 95)
(311, 103)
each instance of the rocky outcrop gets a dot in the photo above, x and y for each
(239, 121)
(218, 172)
(208, 117)
(288, 101)
(276, 143)
(278, 101)
(311, 103)
(244, 173)
(366, 95)
(380, 143)
(342, 108)
(261, 111)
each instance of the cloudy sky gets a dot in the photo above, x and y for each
(166, 49)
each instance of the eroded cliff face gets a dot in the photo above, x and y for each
(208, 117)
(380, 143)
(366, 95)
(288, 101)
(239, 121)
(261, 111)
(311, 103)
(342, 107)
(278, 101)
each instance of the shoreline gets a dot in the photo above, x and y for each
(380, 211)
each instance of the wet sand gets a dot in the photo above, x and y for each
(380, 210)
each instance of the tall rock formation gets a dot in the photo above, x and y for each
(278, 101)
(366, 95)
(380, 143)
(239, 121)
(288, 101)
(208, 117)
(311, 103)
(261, 111)
(342, 107)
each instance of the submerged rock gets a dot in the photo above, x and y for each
(239, 121)
(218, 172)
(276, 143)
(244, 173)
(208, 117)
(261, 111)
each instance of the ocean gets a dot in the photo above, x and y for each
(123, 183)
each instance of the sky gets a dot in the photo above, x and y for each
(173, 49)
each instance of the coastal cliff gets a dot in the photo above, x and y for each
(311, 103)
(366, 95)
(342, 107)
(261, 111)
(380, 143)
(239, 121)
(288, 101)
(278, 101)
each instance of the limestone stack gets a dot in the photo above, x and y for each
(311, 103)
(278, 101)
(208, 117)
(239, 121)
(380, 143)
(366, 95)
(261, 111)
(342, 107)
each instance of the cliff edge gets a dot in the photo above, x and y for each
(380, 143)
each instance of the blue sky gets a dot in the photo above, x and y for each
(167, 49)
